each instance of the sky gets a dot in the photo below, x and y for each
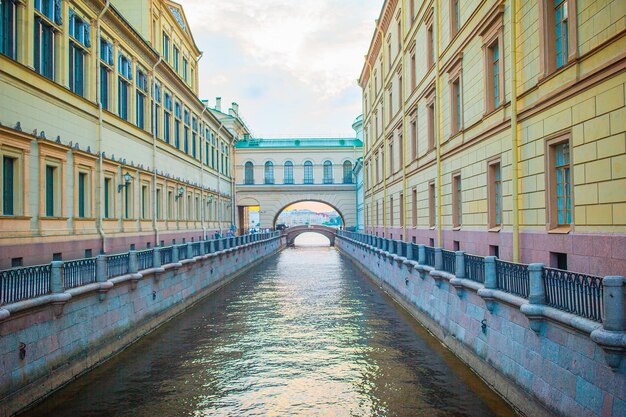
(292, 65)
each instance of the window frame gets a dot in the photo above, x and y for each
(547, 37)
(457, 200)
(18, 186)
(494, 200)
(551, 144)
(432, 204)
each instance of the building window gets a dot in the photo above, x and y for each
(456, 108)
(390, 211)
(269, 172)
(400, 150)
(106, 67)
(328, 172)
(558, 23)
(156, 99)
(494, 65)
(413, 72)
(430, 45)
(108, 198)
(194, 136)
(140, 99)
(401, 210)
(145, 202)
(185, 70)
(377, 214)
(166, 47)
(158, 204)
(79, 44)
(414, 212)
(288, 176)
(83, 191)
(44, 47)
(457, 201)
(128, 200)
(10, 184)
(52, 190)
(432, 205)
(347, 172)
(495, 194)
(430, 114)
(249, 173)
(167, 118)
(186, 132)
(123, 87)
(176, 57)
(413, 128)
(308, 172)
(560, 193)
(455, 17)
(178, 115)
(390, 104)
(391, 167)
(8, 28)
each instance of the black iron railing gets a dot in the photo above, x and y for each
(575, 293)
(513, 278)
(166, 255)
(430, 256)
(24, 283)
(182, 252)
(449, 261)
(475, 268)
(117, 265)
(145, 259)
(79, 272)
(196, 249)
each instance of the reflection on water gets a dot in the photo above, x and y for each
(304, 334)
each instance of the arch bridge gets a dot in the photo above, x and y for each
(293, 232)
(275, 173)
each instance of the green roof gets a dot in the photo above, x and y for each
(299, 143)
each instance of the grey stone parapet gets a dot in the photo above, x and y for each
(56, 277)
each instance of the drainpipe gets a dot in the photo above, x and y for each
(155, 229)
(438, 127)
(99, 219)
(404, 135)
(514, 135)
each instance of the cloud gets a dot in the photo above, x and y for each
(291, 65)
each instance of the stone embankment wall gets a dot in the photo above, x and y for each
(44, 345)
(547, 365)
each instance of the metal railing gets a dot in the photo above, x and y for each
(512, 278)
(145, 259)
(449, 261)
(117, 265)
(79, 272)
(19, 284)
(475, 268)
(24, 283)
(574, 293)
(430, 256)
(166, 255)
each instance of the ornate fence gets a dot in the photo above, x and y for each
(79, 272)
(449, 261)
(145, 259)
(23, 283)
(575, 293)
(512, 278)
(475, 268)
(117, 265)
(182, 252)
(166, 255)
(430, 256)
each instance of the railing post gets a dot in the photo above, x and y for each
(132, 262)
(421, 254)
(459, 266)
(174, 254)
(491, 281)
(56, 277)
(156, 257)
(101, 268)
(438, 259)
(537, 294)
(409, 251)
(614, 304)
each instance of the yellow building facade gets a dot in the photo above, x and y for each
(497, 127)
(104, 142)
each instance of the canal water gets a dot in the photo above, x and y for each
(304, 334)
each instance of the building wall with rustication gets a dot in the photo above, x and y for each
(557, 371)
(61, 345)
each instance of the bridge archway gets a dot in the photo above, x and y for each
(281, 210)
(293, 232)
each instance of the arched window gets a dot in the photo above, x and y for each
(288, 172)
(308, 172)
(249, 173)
(328, 172)
(347, 172)
(269, 172)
